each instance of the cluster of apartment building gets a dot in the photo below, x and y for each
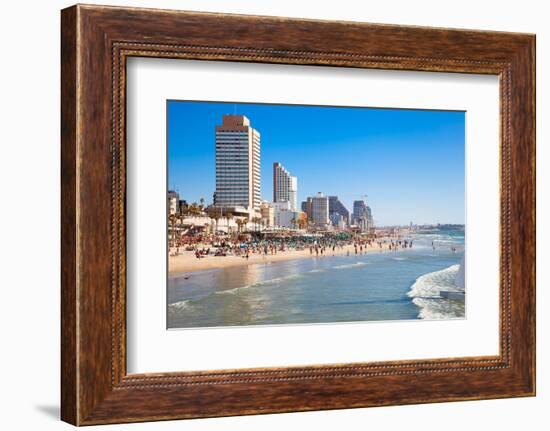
(238, 179)
(324, 210)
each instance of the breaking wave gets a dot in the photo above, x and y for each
(181, 305)
(426, 293)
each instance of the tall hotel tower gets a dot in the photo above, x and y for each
(237, 164)
(285, 186)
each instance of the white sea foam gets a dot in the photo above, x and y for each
(271, 281)
(350, 265)
(437, 309)
(426, 293)
(429, 285)
(399, 258)
(181, 305)
(460, 279)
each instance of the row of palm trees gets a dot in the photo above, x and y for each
(216, 214)
(192, 209)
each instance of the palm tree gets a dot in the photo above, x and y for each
(228, 215)
(173, 219)
(240, 223)
(216, 216)
(194, 209)
(304, 221)
(257, 221)
(184, 209)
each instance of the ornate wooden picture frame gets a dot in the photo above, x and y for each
(96, 41)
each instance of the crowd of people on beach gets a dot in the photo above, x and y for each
(215, 245)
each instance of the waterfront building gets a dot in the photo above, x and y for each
(281, 206)
(362, 215)
(285, 186)
(370, 220)
(337, 220)
(238, 165)
(287, 219)
(335, 206)
(319, 209)
(281, 210)
(268, 214)
(307, 208)
(173, 200)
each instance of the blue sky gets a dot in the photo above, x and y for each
(409, 163)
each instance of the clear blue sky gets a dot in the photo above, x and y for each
(410, 163)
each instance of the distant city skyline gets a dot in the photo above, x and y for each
(409, 163)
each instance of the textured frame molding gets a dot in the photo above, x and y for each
(96, 41)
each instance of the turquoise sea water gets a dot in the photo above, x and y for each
(374, 286)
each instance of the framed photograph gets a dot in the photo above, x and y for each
(236, 259)
(267, 215)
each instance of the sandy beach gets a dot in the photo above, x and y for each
(186, 261)
(297, 287)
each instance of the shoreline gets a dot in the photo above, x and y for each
(186, 261)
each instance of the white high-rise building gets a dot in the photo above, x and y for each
(285, 186)
(237, 164)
